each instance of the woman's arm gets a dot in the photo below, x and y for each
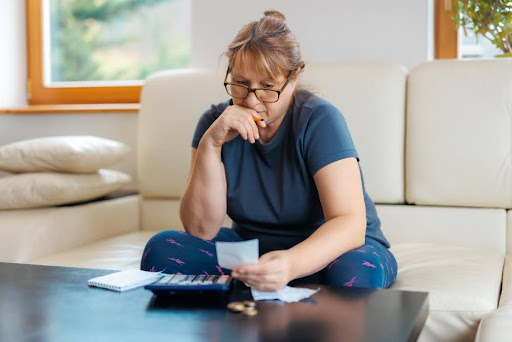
(203, 204)
(341, 194)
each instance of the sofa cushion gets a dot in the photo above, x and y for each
(463, 284)
(466, 227)
(43, 189)
(166, 123)
(459, 133)
(496, 326)
(376, 126)
(116, 253)
(458, 278)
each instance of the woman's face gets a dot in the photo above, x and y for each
(270, 112)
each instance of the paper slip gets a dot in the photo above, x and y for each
(287, 294)
(231, 255)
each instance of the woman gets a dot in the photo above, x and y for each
(281, 163)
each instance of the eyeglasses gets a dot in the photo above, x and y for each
(241, 91)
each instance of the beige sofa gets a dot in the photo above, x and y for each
(436, 151)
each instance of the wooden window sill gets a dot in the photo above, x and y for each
(75, 109)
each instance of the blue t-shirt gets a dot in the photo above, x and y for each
(271, 193)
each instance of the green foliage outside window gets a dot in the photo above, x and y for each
(115, 40)
(491, 19)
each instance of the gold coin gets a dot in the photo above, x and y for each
(236, 307)
(252, 312)
(250, 303)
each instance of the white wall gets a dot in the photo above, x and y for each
(329, 30)
(13, 56)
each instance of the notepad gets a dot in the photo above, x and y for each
(125, 280)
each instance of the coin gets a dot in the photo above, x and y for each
(250, 312)
(249, 303)
(236, 307)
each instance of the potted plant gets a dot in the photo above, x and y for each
(490, 18)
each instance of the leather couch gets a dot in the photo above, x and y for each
(436, 151)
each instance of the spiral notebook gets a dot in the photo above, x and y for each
(125, 280)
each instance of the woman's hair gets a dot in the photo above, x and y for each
(266, 45)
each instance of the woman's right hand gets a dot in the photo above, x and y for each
(233, 121)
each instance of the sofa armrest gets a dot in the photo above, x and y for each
(32, 233)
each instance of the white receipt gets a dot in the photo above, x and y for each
(231, 255)
(287, 294)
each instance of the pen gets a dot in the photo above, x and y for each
(257, 119)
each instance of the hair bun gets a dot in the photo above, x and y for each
(275, 14)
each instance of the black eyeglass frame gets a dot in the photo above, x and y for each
(249, 90)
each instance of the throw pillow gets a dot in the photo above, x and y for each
(79, 154)
(32, 190)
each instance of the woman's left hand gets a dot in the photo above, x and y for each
(271, 273)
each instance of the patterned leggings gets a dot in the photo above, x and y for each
(371, 265)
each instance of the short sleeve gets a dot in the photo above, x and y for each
(327, 138)
(206, 120)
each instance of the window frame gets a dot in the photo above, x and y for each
(446, 35)
(38, 93)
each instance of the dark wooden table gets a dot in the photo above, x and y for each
(46, 303)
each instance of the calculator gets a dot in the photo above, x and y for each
(187, 284)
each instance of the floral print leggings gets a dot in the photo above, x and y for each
(370, 266)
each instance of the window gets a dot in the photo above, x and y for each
(99, 51)
(453, 43)
(472, 46)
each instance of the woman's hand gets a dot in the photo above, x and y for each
(233, 121)
(271, 273)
